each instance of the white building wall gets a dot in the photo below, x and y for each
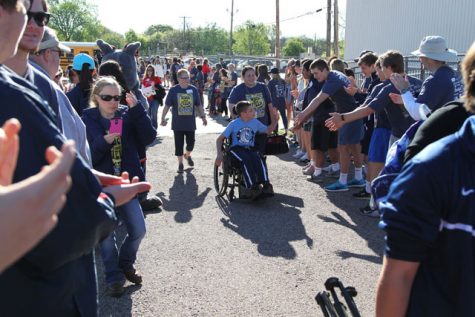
(380, 25)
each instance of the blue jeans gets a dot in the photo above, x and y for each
(117, 261)
(152, 112)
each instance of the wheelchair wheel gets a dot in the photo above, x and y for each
(220, 180)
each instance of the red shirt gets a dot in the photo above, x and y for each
(151, 81)
(205, 69)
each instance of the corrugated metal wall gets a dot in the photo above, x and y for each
(380, 25)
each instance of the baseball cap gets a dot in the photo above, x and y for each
(50, 40)
(81, 59)
(274, 70)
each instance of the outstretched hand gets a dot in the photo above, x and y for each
(125, 192)
(396, 98)
(399, 81)
(334, 122)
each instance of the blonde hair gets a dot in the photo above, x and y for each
(468, 71)
(99, 85)
(182, 71)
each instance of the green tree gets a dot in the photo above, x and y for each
(72, 18)
(251, 39)
(209, 40)
(293, 47)
(158, 28)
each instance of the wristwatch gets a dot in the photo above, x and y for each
(342, 117)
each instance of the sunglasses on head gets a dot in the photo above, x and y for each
(109, 97)
(41, 18)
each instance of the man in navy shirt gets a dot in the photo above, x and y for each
(441, 87)
(428, 267)
(349, 138)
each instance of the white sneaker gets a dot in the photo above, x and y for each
(298, 154)
(327, 169)
(304, 158)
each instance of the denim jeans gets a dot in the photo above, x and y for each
(117, 261)
(152, 112)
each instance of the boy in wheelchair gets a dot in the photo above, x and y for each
(242, 132)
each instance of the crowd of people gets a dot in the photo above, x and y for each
(82, 142)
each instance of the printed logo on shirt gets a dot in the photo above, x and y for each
(245, 136)
(280, 91)
(185, 104)
(466, 192)
(258, 103)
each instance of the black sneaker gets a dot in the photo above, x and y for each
(190, 161)
(370, 212)
(362, 194)
(268, 190)
(181, 168)
(151, 203)
(115, 289)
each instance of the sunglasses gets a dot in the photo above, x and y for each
(109, 97)
(41, 18)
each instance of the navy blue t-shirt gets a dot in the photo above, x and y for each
(323, 111)
(440, 88)
(182, 103)
(334, 87)
(433, 224)
(258, 96)
(398, 116)
(380, 117)
(277, 92)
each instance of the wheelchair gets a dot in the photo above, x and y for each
(228, 175)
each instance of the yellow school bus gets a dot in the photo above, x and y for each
(89, 48)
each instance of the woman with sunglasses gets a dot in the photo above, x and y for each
(113, 132)
(183, 99)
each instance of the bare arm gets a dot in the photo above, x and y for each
(394, 287)
(164, 114)
(337, 120)
(219, 150)
(312, 106)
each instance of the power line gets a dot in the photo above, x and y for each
(300, 16)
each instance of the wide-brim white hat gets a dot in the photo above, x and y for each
(435, 47)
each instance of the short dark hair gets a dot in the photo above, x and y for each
(393, 59)
(245, 69)
(320, 64)
(307, 63)
(242, 106)
(368, 59)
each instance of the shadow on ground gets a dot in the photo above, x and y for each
(270, 223)
(184, 197)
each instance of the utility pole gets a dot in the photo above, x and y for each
(277, 33)
(329, 28)
(231, 30)
(336, 44)
(184, 26)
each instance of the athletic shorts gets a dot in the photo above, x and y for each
(379, 145)
(322, 138)
(351, 133)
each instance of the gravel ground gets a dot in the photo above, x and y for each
(203, 256)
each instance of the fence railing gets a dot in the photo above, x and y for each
(412, 67)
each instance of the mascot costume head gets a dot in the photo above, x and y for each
(126, 60)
